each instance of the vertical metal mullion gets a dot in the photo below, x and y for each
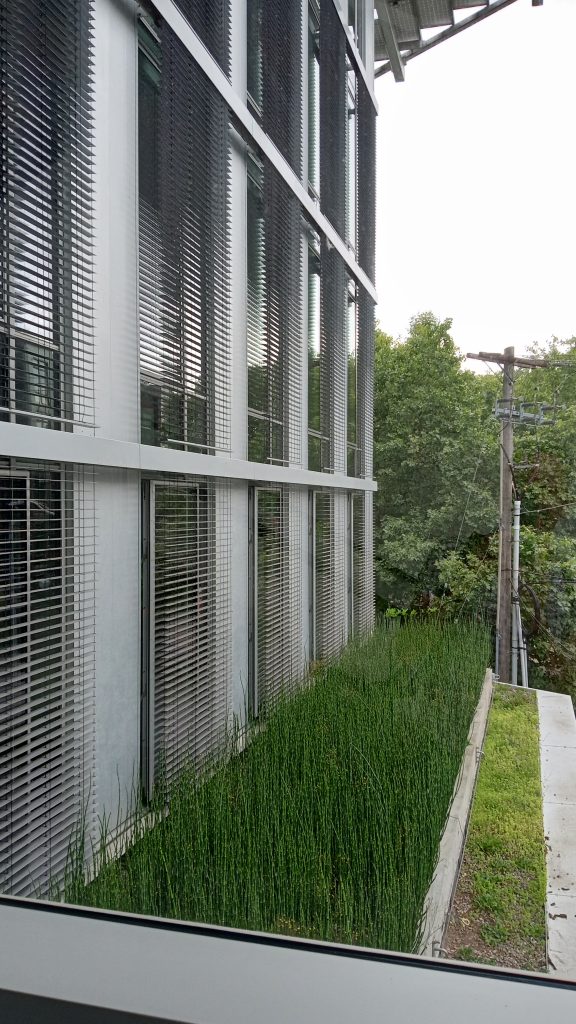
(147, 738)
(350, 563)
(252, 708)
(312, 572)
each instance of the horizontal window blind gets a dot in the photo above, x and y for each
(275, 579)
(353, 433)
(366, 121)
(329, 573)
(333, 116)
(365, 382)
(210, 20)
(190, 623)
(46, 345)
(274, 318)
(282, 77)
(184, 248)
(47, 536)
(362, 570)
(333, 356)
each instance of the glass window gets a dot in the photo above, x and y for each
(314, 358)
(356, 10)
(254, 52)
(352, 381)
(352, 157)
(313, 104)
(183, 262)
(149, 59)
(264, 351)
(30, 381)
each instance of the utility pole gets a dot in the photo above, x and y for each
(508, 413)
(504, 605)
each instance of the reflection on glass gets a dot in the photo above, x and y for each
(256, 268)
(352, 404)
(314, 402)
(351, 177)
(313, 108)
(37, 380)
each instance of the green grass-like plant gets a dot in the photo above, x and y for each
(328, 824)
(504, 865)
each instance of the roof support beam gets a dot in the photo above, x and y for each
(395, 62)
(454, 30)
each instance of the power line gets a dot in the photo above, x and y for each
(546, 508)
(563, 648)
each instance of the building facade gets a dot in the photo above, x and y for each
(186, 365)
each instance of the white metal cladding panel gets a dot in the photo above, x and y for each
(330, 597)
(277, 600)
(190, 632)
(47, 534)
(46, 349)
(184, 247)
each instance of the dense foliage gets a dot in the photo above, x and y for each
(328, 824)
(437, 467)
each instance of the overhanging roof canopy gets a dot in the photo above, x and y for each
(405, 28)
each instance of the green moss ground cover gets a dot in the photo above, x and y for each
(499, 914)
(328, 824)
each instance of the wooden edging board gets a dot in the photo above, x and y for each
(439, 896)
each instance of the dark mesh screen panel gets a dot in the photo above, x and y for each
(365, 380)
(366, 120)
(282, 77)
(333, 358)
(332, 116)
(184, 249)
(210, 20)
(46, 353)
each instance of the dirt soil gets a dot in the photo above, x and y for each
(468, 930)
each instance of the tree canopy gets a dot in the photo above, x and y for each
(436, 458)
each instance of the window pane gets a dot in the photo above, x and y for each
(314, 403)
(313, 110)
(150, 407)
(4, 376)
(351, 389)
(148, 122)
(351, 181)
(257, 439)
(315, 453)
(37, 379)
(257, 362)
(254, 51)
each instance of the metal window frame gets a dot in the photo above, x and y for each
(149, 681)
(176, 21)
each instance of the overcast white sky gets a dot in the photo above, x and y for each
(477, 182)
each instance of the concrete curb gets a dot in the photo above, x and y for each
(438, 902)
(558, 774)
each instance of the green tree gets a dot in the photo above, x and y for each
(435, 445)
(545, 479)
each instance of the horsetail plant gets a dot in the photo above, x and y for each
(328, 824)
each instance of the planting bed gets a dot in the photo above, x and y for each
(328, 824)
(498, 915)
